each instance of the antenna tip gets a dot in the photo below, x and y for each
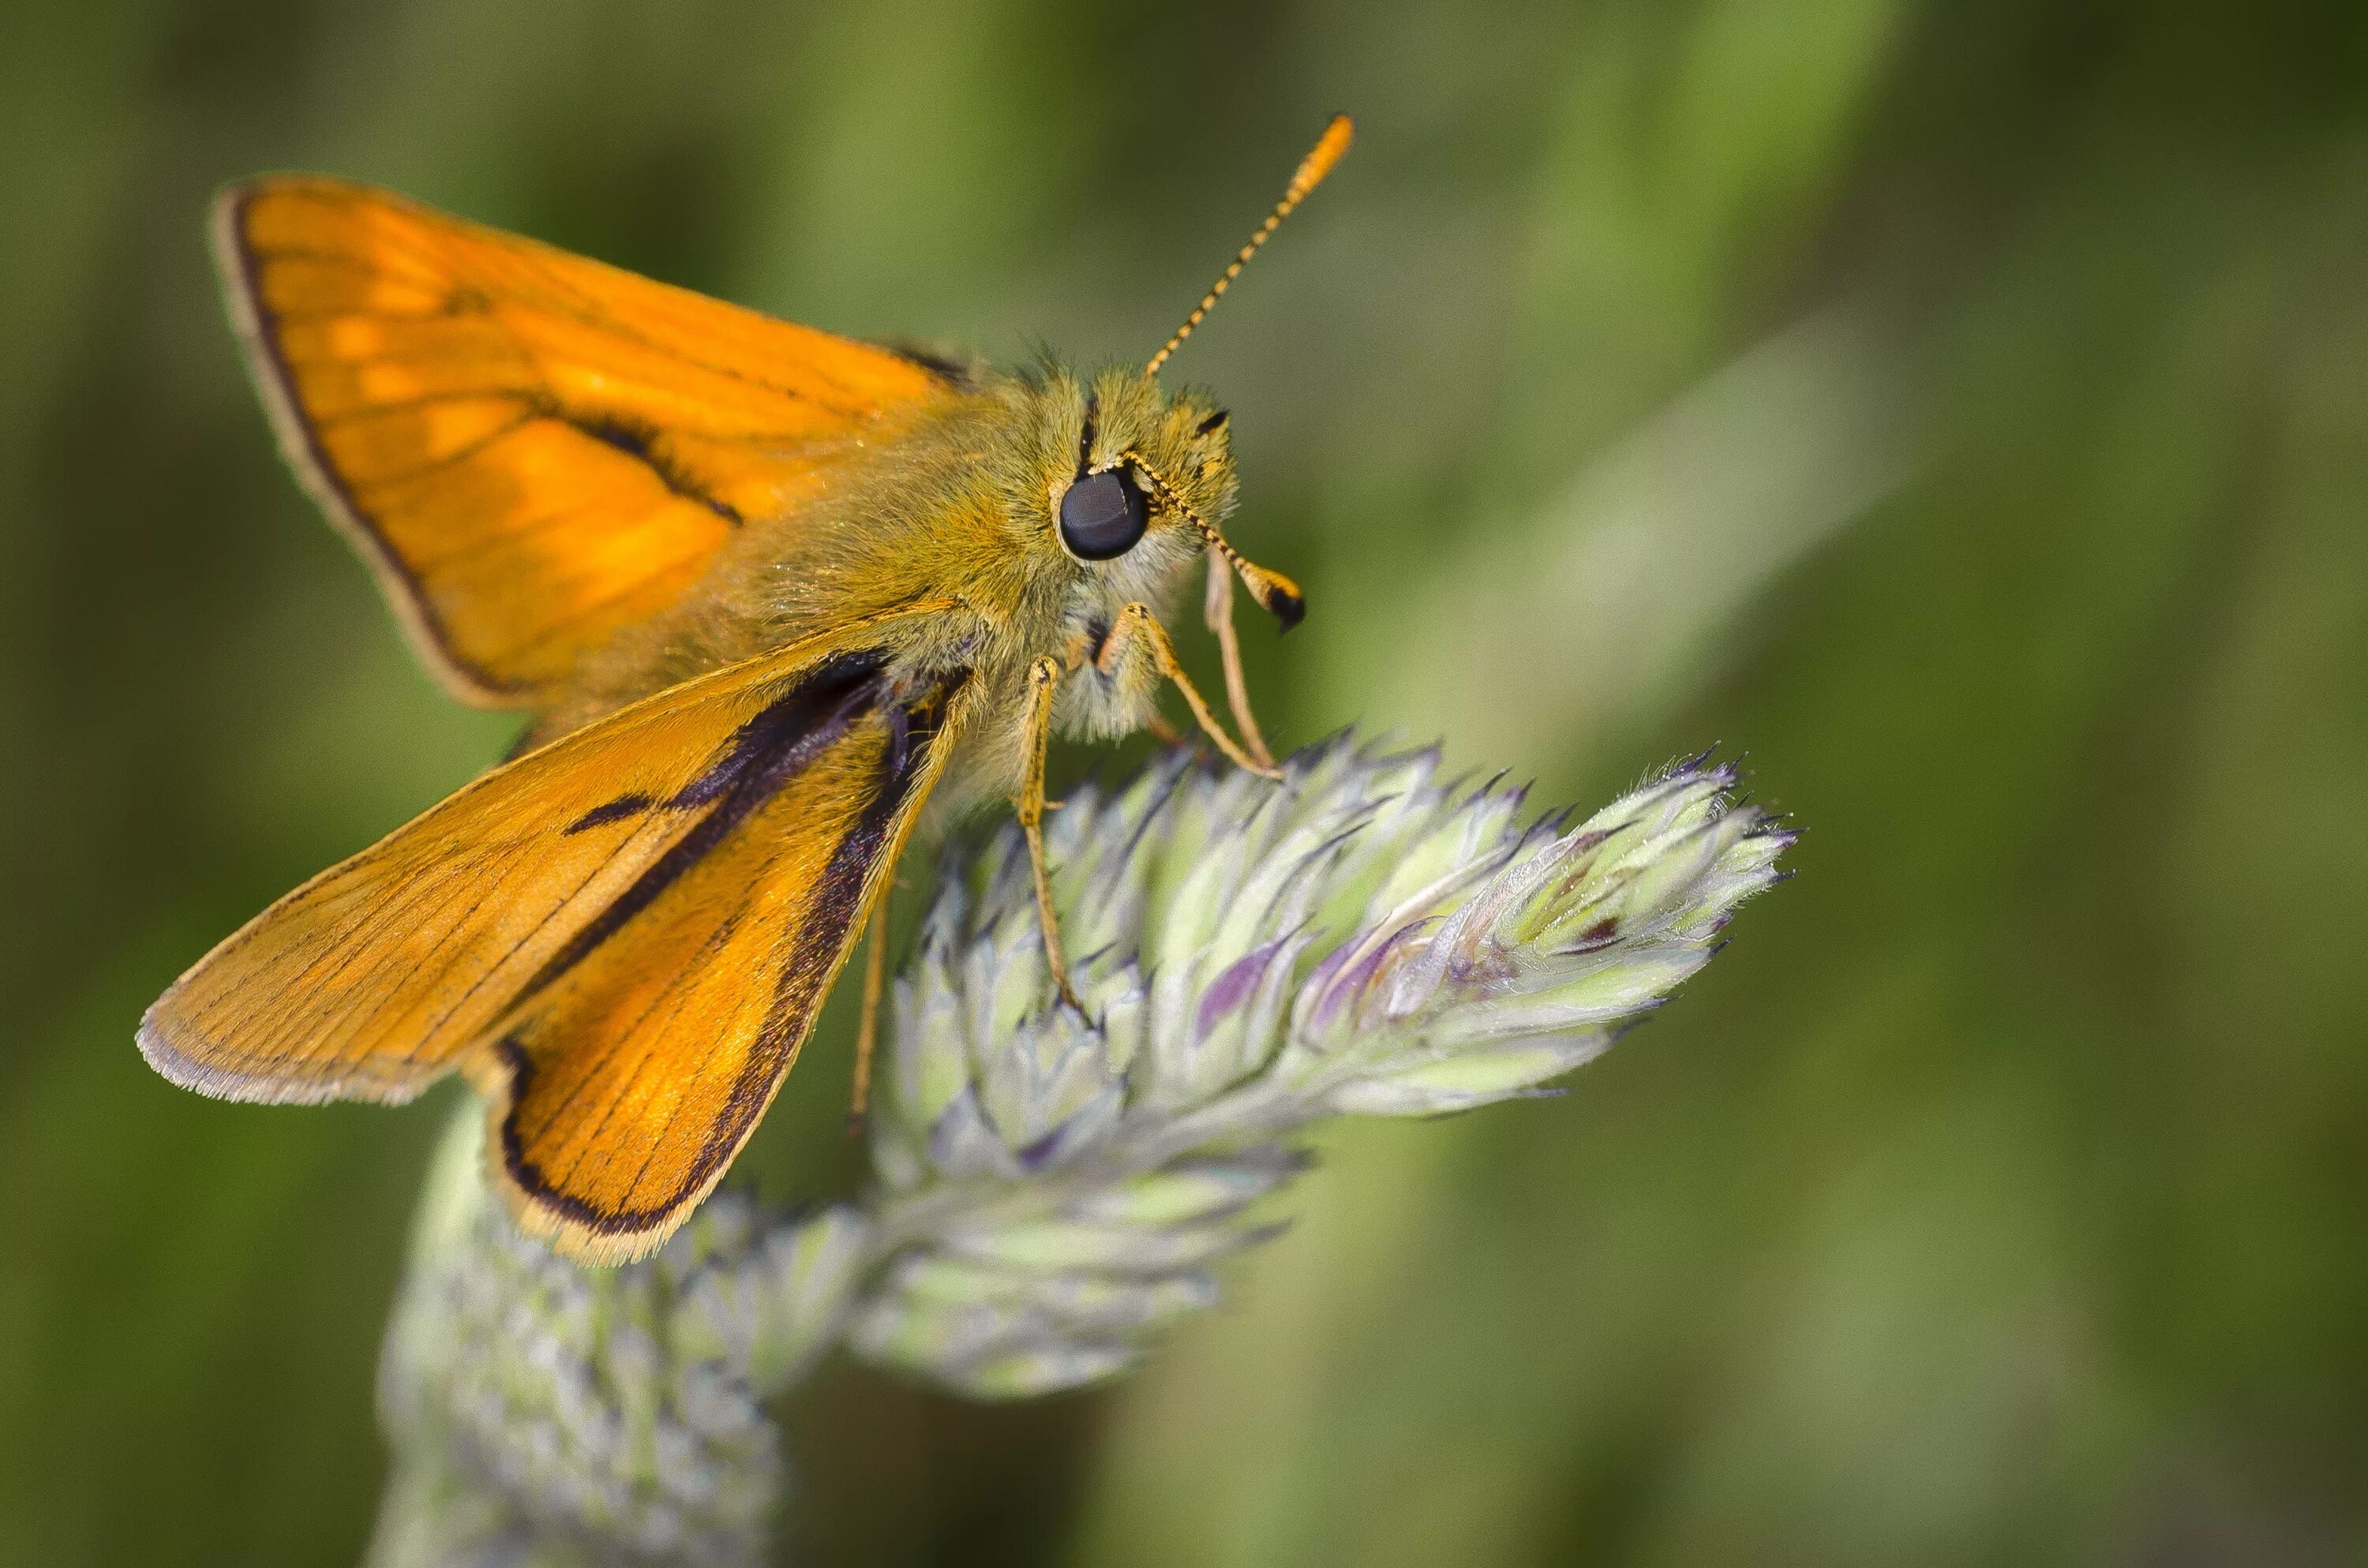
(1276, 594)
(1328, 150)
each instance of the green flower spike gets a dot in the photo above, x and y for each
(1364, 939)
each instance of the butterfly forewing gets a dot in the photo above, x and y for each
(626, 1084)
(622, 937)
(535, 450)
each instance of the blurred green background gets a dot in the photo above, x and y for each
(1963, 407)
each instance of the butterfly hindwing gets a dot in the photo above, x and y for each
(534, 449)
(622, 937)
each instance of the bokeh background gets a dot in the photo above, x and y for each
(1962, 406)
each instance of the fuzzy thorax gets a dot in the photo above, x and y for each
(960, 506)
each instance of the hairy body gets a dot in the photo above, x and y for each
(959, 510)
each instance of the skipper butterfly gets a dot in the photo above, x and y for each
(764, 590)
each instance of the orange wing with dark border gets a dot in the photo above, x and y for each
(533, 450)
(622, 939)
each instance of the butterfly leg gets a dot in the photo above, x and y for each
(1218, 608)
(1139, 636)
(867, 1029)
(1159, 727)
(1043, 679)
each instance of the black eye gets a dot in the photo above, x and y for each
(1102, 516)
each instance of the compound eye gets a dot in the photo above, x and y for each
(1103, 516)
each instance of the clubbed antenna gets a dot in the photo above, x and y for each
(1276, 594)
(1310, 172)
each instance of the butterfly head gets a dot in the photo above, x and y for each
(1140, 492)
(1159, 470)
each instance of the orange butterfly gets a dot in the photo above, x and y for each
(764, 590)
